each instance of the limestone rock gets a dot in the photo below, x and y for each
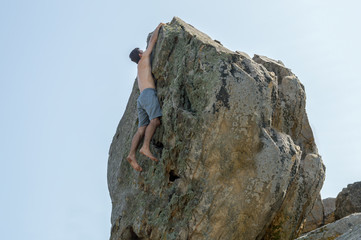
(329, 206)
(323, 212)
(352, 234)
(315, 218)
(342, 229)
(348, 200)
(237, 155)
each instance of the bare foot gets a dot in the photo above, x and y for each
(134, 164)
(147, 153)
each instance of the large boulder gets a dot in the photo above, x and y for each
(348, 201)
(237, 155)
(346, 228)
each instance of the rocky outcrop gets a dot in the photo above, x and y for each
(329, 206)
(344, 229)
(348, 201)
(237, 154)
(352, 234)
(323, 212)
(315, 218)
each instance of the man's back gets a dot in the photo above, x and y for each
(144, 76)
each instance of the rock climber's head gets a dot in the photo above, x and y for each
(136, 55)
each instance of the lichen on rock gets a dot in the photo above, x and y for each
(348, 201)
(237, 155)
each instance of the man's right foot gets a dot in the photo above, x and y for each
(134, 164)
(146, 152)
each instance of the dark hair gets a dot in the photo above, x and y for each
(134, 55)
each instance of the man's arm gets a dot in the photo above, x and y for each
(153, 40)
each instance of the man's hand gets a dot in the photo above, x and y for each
(153, 40)
(159, 26)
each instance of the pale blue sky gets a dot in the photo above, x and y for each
(65, 79)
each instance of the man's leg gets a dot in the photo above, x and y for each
(135, 143)
(149, 132)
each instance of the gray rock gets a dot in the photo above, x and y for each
(322, 213)
(315, 218)
(237, 155)
(329, 205)
(352, 234)
(346, 227)
(348, 200)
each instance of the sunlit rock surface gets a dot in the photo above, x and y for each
(237, 155)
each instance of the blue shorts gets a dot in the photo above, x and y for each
(148, 106)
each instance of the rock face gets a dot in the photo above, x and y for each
(344, 229)
(323, 212)
(348, 201)
(352, 234)
(237, 155)
(315, 218)
(329, 206)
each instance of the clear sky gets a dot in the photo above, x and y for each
(65, 79)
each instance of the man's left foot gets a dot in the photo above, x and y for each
(147, 153)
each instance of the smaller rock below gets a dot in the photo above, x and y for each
(315, 218)
(337, 230)
(352, 234)
(348, 201)
(329, 206)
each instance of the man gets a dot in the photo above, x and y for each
(148, 107)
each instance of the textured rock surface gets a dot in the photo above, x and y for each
(237, 154)
(329, 206)
(347, 226)
(323, 212)
(315, 218)
(348, 201)
(352, 234)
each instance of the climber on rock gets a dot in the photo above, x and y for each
(149, 110)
